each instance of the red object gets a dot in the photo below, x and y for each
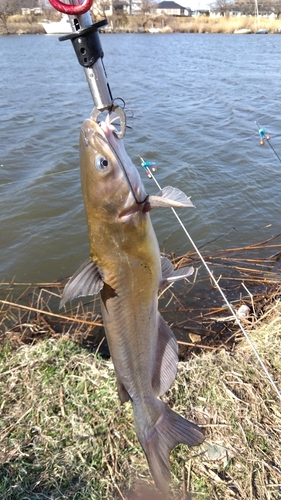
(72, 9)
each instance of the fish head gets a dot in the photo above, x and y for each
(111, 184)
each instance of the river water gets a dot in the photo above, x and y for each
(195, 100)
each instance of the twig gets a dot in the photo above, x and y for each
(47, 313)
(12, 426)
(183, 484)
(188, 476)
(33, 285)
(252, 299)
(198, 345)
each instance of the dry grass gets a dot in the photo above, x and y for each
(21, 25)
(200, 24)
(30, 313)
(64, 434)
(203, 24)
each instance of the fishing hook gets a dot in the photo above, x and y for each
(72, 10)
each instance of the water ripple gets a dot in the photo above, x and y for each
(196, 99)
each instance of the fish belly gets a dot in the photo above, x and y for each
(130, 321)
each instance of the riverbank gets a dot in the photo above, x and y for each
(166, 24)
(64, 433)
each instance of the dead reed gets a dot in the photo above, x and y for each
(250, 275)
(169, 24)
(204, 24)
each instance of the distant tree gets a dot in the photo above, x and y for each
(146, 6)
(30, 4)
(277, 9)
(246, 7)
(99, 9)
(7, 9)
(223, 6)
(271, 6)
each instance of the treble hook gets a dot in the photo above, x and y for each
(74, 10)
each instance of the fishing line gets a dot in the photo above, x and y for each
(224, 297)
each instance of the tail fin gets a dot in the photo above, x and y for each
(170, 430)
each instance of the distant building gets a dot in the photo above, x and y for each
(121, 6)
(26, 11)
(107, 8)
(172, 9)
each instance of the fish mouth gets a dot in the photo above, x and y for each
(142, 207)
(129, 211)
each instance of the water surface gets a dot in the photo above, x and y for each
(195, 100)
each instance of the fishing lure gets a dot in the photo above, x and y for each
(264, 134)
(148, 167)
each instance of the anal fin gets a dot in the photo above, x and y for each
(166, 358)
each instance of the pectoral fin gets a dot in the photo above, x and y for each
(169, 274)
(170, 197)
(86, 281)
(166, 358)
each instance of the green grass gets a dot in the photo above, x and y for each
(64, 434)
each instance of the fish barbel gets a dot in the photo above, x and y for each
(126, 267)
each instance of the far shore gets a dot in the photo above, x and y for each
(166, 24)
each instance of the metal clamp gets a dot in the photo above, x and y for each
(88, 49)
(86, 43)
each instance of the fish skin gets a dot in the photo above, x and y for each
(126, 266)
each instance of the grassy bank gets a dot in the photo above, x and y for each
(64, 434)
(202, 24)
(19, 25)
(205, 24)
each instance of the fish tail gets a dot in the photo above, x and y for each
(170, 430)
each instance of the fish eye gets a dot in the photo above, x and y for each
(101, 163)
